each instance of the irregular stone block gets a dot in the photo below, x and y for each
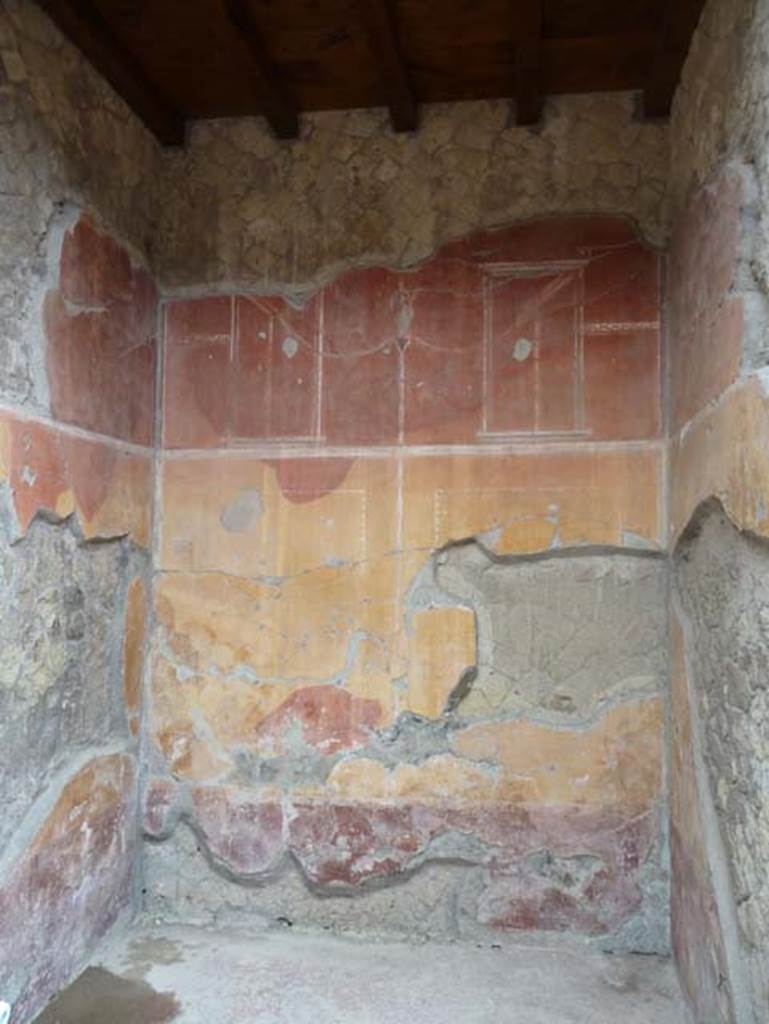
(366, 193)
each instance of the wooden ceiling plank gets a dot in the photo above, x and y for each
(529, 100)
(82, 23)
(280, 112)
(679, 22)
(378, 21)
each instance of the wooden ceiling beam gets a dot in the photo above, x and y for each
(529, 100)
(278, 109)
(679, 22)
(378, 21)
(82, 23)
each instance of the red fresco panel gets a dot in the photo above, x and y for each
(444, 357)
(274, 385)
(532, 350)
(363, 323)
(622, 385)
(484, 339)
(196, 398)
(622, 285)
(204, 320)
(100, 326)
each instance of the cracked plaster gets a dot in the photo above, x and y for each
(239, 208)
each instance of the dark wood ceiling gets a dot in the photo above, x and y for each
(179, 60)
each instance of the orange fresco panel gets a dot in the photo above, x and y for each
(529, 501)
(725, 454)
(442, 645)
(233, 515)
(75, 879)
(615, 763)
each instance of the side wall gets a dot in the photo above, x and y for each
(77, 368)
(719, 520)
(410, 645)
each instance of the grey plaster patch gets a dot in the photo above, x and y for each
(561, 633)
(243, 512)
(522, 349)
(411, 740)
(289, 347)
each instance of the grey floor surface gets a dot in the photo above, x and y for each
(158, 974)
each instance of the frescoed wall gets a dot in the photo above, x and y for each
(410, 604)
(718, 528)
(433, 516)
(78, 312)
(76, 492)
(719, 523)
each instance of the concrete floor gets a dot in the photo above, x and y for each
(190, 976)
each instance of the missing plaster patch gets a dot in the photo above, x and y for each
(290, 347)
(522, 349)
(241, 514)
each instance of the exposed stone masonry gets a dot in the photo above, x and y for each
(722, 584)
(239, 208)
